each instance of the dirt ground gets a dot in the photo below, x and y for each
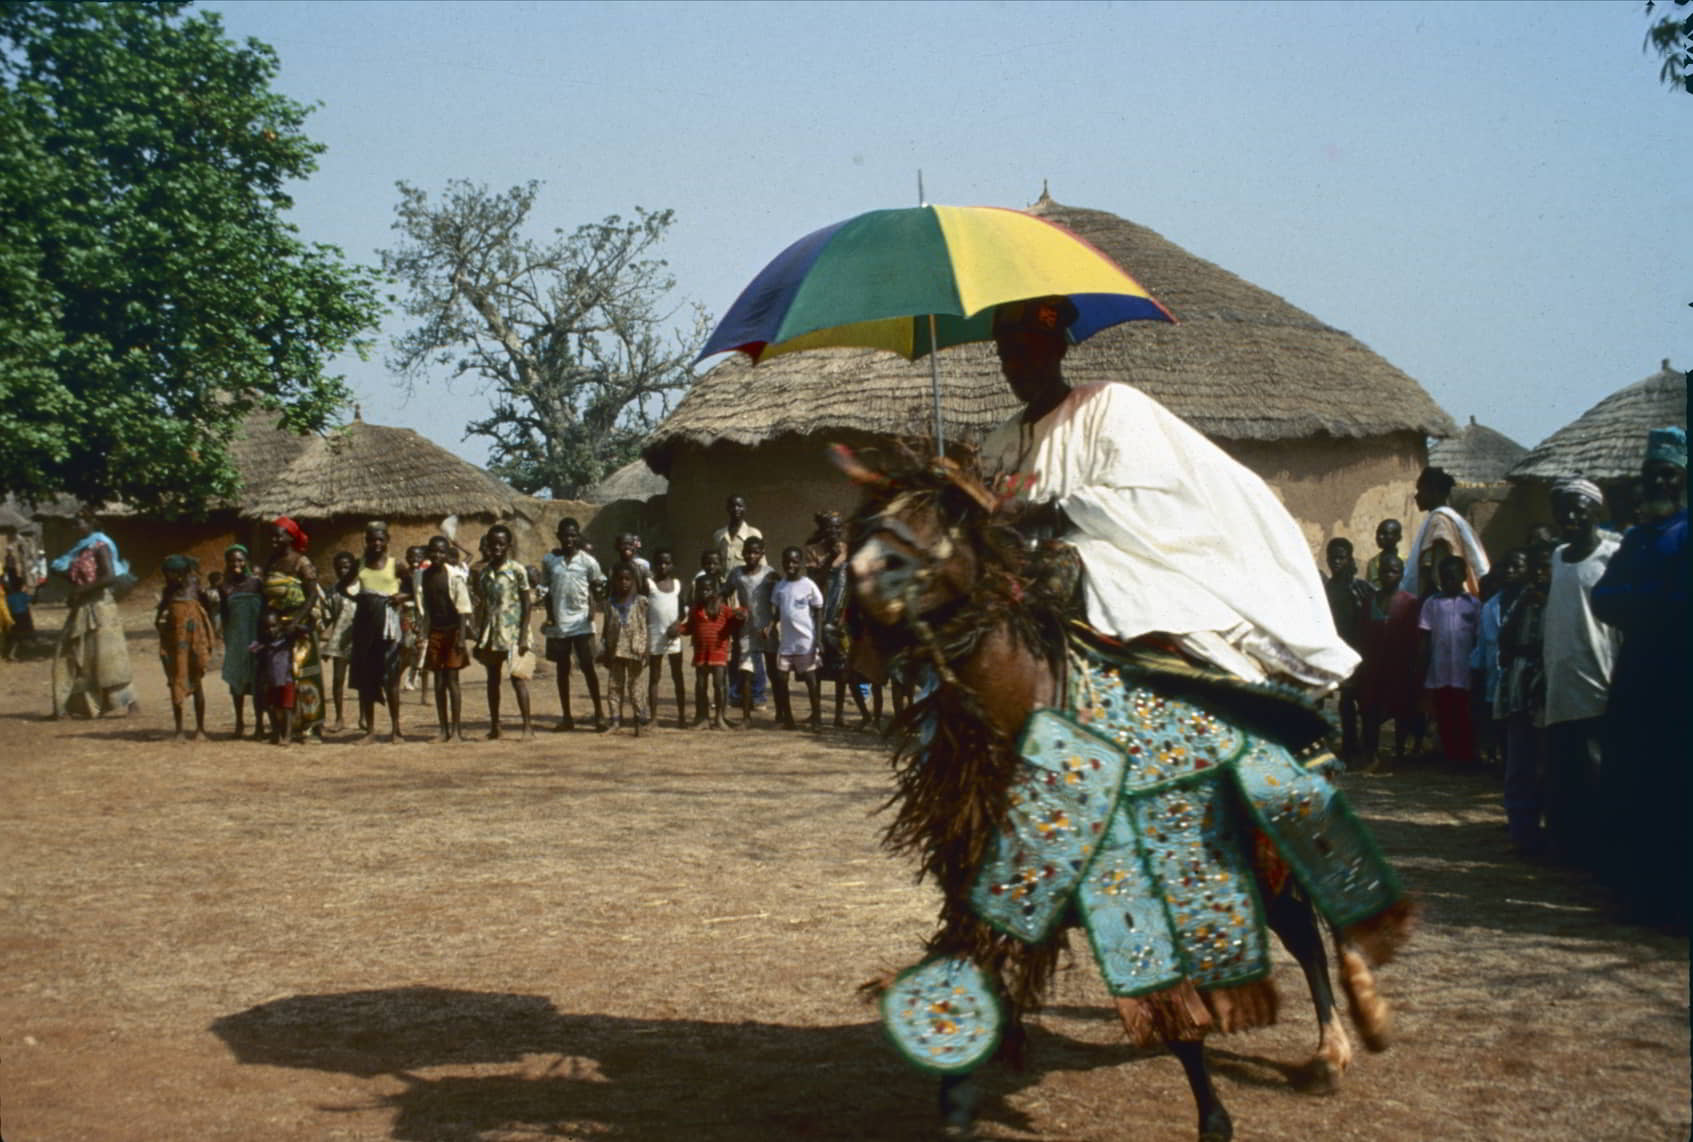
(594, 937)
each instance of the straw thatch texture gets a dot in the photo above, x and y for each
(1242, 365)
(633, 481)
(1608, 441)
(260, 450)
(1476, 455)
(373, 470)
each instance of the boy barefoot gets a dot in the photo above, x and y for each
(798, 608)
(626, 643)
(274, 677)
(572, 578)
(504, 638)
(712, 623)
(446, 612)
(668, 611)
(752, 583)
(340, 602)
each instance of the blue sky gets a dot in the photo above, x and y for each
(1495, 196)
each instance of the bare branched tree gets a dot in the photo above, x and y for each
(571, 335)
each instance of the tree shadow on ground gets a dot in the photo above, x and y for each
(574, 1075)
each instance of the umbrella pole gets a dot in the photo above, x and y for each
(935, 388)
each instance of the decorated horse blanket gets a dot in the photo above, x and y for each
(1140, 809)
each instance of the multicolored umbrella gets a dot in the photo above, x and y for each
(912, 279)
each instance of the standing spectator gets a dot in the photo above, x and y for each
(797, 607)
(240, 598)
(1580, 652)
(1484, 660)
(91, 671)
(19, 580)
(1349, 603)
(826, 563)
(1388, 534)
(185, 640)
(730, 540)
(1643, 592)
(340, 603)
(668, 599)
(379, 655)
(273, 670)
(752, 583)
(1449, 621)
(1443, 533)
(572, 578)
(711, 627)
(1520, 702)
(446, 613)
(504, 637)
(626, 645)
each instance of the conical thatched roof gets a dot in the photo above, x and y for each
(633, 481)
(1476, 455)
(1242, 365)
(260, 451)
(374, 470)
(1608, 441)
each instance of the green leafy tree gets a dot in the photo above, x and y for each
(1671, 36)
(152, 292)
(570, 335)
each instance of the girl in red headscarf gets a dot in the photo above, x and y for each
(292, 594)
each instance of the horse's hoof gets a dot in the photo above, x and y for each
(958, 1099)
(1319, 1076)
(1216, 1126)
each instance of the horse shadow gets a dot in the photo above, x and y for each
(582, 1074)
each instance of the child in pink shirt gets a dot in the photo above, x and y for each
(1450, 620)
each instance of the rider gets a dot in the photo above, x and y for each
(1175, 536)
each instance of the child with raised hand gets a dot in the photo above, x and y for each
(798, 611)
(626, 644)
(667, 601)
(185, 640)
(273, 684)
(1449, 620)
(503, 587)
(340, 603)
(712, 623)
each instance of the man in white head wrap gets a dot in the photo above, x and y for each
(1580, 652)
(1176, 536)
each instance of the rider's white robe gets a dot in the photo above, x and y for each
(1176, 536)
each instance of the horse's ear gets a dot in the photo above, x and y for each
(856, 470)
(966, 483)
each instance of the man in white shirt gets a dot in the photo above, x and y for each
(1579, 652)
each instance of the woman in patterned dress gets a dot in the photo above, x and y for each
(291, 592)
(91, 670)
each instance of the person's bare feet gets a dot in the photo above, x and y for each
(397, 738)
(445, 735)
(335, 729)
(528, 735)
(494, 734)
(565, 725)
(365, 738)
(179, 736)
(199, 735)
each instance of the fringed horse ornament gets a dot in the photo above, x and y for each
(1050, 778)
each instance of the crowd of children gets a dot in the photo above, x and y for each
(390, 623)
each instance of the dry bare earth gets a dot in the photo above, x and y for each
(592, 937)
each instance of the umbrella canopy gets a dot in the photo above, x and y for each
(877, 280)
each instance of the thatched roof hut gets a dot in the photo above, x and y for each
(1247, 368)
(1608, 441)
(1476, 455)
(633, 481)
(376, 470)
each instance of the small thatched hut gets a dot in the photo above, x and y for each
(1478, 458)
(1336, 430)
(1606, 444)
(362, 472)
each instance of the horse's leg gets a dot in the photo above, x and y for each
(1370, 1012)
(959, 1096)
(1214, 1122)
(1293, 920)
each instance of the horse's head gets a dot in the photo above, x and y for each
(922, 540)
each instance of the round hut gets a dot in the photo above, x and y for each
(1337, 431)
(1478, 457)
(1606, 444)
(363, 471)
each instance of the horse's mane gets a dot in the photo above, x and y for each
(953, 767)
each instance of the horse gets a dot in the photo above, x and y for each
(943, 584)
